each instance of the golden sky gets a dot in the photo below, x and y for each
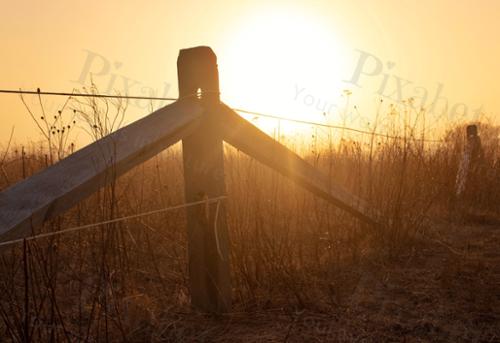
(291, 58)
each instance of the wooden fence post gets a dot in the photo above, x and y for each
(208, 243)
(467, 171)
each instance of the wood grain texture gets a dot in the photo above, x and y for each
(203, 157)
(208, 240)
(45, 195)
(246, 137)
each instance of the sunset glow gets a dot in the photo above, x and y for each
(292, 59)
(250, 171)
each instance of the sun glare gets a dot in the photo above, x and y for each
(272, 55)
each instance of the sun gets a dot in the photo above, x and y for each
(271, 55)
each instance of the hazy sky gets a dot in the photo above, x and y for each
(279, 56)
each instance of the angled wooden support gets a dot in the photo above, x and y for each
(28, 203)
(244, 136)
(208, 250)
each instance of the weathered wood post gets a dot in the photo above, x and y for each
(468, 172)
(208, 243)
(469, 157)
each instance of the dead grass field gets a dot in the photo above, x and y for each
(302, 270)
(445, 289)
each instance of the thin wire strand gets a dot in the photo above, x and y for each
(115, 220)
(333, 126)
(216, 231)
(39, 92)
(337, 127)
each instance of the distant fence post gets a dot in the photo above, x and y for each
(467, 169)
(208, 243)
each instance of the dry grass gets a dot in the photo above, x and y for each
(302, 270)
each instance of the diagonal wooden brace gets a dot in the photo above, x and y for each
(246, 137)
(28, 203)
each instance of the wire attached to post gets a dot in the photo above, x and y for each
(115, 220)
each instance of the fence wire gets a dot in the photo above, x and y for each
(266, 115)
(115, 220)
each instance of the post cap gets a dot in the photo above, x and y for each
(197, 70)
(471, 130)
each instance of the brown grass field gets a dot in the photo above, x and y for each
(302, 270)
